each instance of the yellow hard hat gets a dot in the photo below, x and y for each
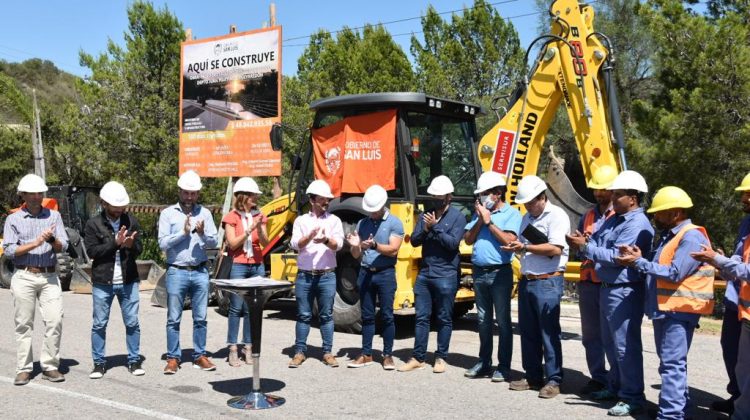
(745, 185)
(602, 177)
(670, 198)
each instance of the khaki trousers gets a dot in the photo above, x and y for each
(28, 289)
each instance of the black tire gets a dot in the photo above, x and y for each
(6, 271)
(65, 265)
(222, 302)
(461, 308)
(347, 314)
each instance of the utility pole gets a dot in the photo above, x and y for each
(276, 188)
(36, 140)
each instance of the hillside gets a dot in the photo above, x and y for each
(52, 86)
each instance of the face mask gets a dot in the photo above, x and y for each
(488, 202)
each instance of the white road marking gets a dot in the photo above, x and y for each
(96, 400)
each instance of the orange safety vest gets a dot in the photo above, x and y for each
(587, 266)
(695, 293)
(744, 298)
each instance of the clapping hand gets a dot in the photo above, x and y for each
(320, 238)
(129, 240)
(121, 235)
(200, 227)
(187, 227)
(46, 235)
(429, 220)
(576, 239)
(628, 255)
(353, 239)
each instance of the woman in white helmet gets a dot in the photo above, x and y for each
(245, 230)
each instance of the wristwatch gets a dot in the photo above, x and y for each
(326, 241)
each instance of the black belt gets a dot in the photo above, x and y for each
(616, 285)
(36, 270)
(376, 269)
(317, 272)
(493, 267)
(188, 267)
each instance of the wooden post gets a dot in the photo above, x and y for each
(272, 12)
(276, 190)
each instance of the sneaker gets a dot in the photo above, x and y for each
(297, 360)
(622, 409)
(203, 363)
(388, 363)
(22, 378)
(53, 375)
(361, 361)
(329, 360)
(723, 406)
(591, 387)
(500, 376)
(98, 371)
(136, 369)
(551, 390)
(439, 366)
(603, 395)
(524, 385)
(412, 364)
(172, 366)
(479, 370)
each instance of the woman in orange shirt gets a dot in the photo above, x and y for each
(245, 230)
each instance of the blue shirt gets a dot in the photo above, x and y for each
(22, 228)
(486, 250)
(381, 231)
(186, 249)
(731, 268)
(440, 256)
(682, 266)
(631, 228)
(599, 219)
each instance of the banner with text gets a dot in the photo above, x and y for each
(230, 96)
(357, 152)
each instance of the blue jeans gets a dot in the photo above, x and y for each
(127, 296)
(238, 307)
(591, 330)
(440, 293)
(492, 289)
(307, 289)
(180, 283)
(622, 315)
(673, 338)
(383, 286)
(539, 322)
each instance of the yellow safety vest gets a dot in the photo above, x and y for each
(587, 266)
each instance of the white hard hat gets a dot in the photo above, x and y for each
(529, 188)
(488, 181)
(32, 184)
(375, 198)
(246, 184)
(114, 194)
(190, 181)
(629, 180)
(319, 187)
(440, 185)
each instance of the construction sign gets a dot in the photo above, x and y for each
(357, 152)
(230, 96)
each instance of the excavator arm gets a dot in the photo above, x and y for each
(574, 68)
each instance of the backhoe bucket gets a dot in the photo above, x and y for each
(562, 192)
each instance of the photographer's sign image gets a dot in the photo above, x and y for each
(230, 98)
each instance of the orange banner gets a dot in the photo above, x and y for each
(230, 96)
(357, 152)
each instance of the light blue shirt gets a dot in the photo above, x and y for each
(733, 268)
(631, 228)
(381, 231)
(682, 266)
(186, 249)
(486, 249)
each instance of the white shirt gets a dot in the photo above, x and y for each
(117, 277)
(554, 223)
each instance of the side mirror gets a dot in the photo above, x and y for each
(276, 137)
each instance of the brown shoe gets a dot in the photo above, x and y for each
(53, 376)
(172, 366)
(388, 363)
(412, 364)
(298, 359)
(524, 385)
(439, 366)
(551, 390)
(22, 378)
(203, 363)
(361, 361)
(329, 360)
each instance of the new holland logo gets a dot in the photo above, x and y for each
(333, 159)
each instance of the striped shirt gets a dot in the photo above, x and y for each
(22, 228)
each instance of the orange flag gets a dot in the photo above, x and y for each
(357, 152)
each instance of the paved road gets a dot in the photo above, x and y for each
(313, 390)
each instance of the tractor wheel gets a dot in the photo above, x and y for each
(64, 268)
(6, 271)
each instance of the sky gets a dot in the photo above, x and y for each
(58, 30)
